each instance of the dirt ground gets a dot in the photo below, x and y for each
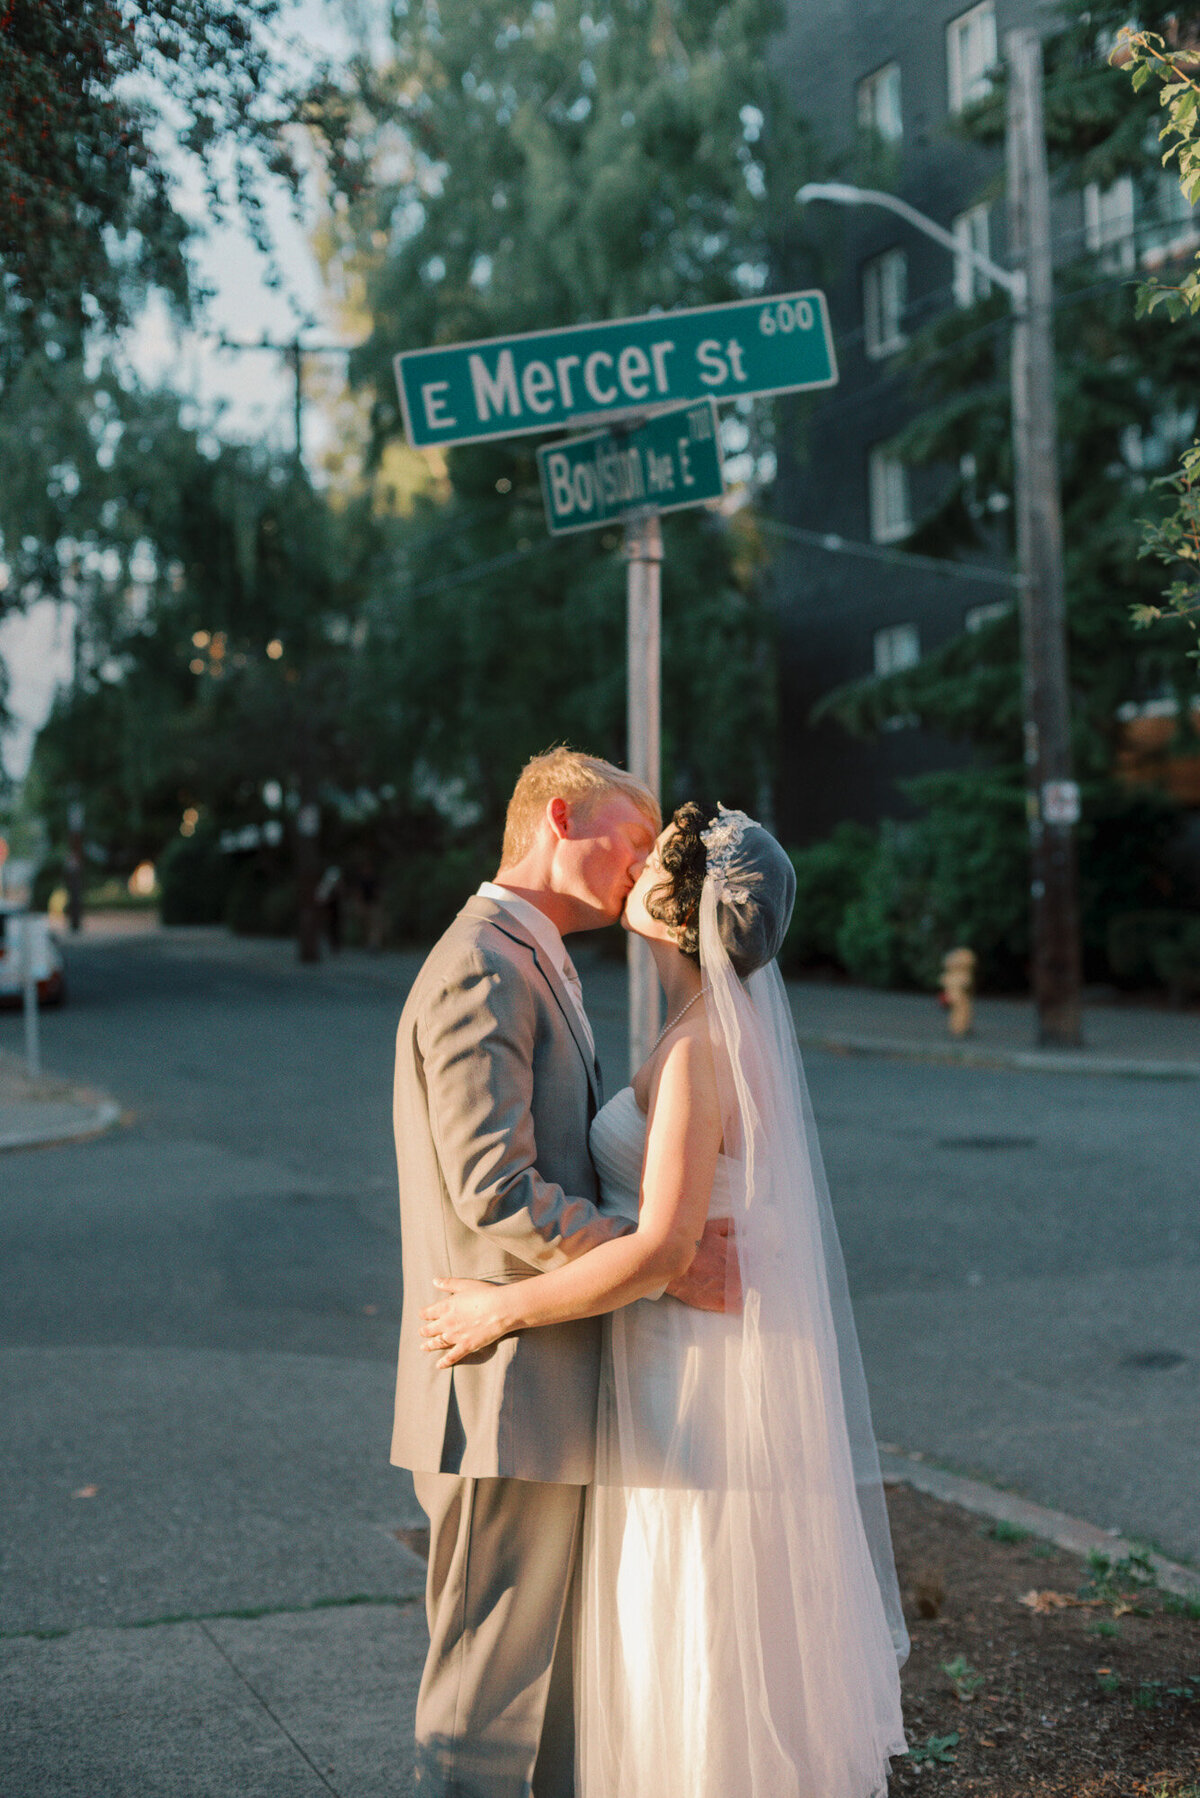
(1094, 1699)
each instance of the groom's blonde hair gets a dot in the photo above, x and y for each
(568, 774)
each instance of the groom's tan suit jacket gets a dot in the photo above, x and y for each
(496, 1086)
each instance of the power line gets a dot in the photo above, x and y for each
(460, 577)
(895, 558)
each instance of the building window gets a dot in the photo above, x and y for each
(971, 231)
(885, 295)
(879, 104)
(887, 483)
(896, 648)
(1108, 223)
(1170, 226)
(971, 54)
(1149, 450)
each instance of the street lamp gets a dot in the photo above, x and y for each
(1052, 796)
(842, 194)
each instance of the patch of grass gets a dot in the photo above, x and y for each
(1104, 1626)
(1152, 1694)
(964, 1678)
(1113, 1581)
(935, 1748)
(1003, 1531)
(1108, 1682)
(1177, 1606)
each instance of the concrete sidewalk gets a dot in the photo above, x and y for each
(279, 1706)
(1119, 1037)
(34, 1112)
(293, 1702)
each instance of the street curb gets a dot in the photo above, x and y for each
(96, 1120)
(1026, 1061)
(1071, 1533)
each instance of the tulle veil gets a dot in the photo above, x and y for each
(741, 1631)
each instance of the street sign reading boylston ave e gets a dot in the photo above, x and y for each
(656, 464)
(544, 380)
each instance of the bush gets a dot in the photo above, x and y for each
(830, 876)
(1177, 962)
(958, 875)
(1141, 943)
(1126, 855)
(194, 879)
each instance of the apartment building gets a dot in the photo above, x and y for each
(881, 81)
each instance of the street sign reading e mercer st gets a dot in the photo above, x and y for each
(543, 380)
(658, 464)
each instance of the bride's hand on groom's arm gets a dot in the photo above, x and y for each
(471, 1316)
(713, 1280)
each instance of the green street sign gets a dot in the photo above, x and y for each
(658, 464)
(545, 380)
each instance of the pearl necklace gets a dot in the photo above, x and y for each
(671, 1022)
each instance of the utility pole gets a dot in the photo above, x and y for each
(295, 355)
(308, 816)
(1052, 796)
(75, 864)
(643, 554)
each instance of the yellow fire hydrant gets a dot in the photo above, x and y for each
(958, 988)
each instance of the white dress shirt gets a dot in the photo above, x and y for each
(547, 937)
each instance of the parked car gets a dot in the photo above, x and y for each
(47, 957)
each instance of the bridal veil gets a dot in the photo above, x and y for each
(742, 1629)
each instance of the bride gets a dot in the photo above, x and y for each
(741, 1628)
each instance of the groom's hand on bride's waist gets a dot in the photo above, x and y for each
(713, 1281)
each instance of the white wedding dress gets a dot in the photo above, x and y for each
(733, 1639)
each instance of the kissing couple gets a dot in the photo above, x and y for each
(659, 1561)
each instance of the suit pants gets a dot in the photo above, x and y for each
(495, 1712)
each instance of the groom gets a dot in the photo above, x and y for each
(496, 1086)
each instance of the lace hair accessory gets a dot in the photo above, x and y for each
(754, 884)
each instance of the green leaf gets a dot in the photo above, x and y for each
(1141, 76)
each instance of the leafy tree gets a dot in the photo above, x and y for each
(1174, 538)
(217, 654)
(544, 166)
(92, 92)
(89, 219)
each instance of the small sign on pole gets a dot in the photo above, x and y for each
(29, 994)
(1060, 802)
(658, 464)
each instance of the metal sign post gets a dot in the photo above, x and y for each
(33, 1047)
(643, 555)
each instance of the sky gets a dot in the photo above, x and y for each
(254, 388)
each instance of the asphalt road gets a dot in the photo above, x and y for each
(198, 1313)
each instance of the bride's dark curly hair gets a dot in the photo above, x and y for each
(684, 858)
